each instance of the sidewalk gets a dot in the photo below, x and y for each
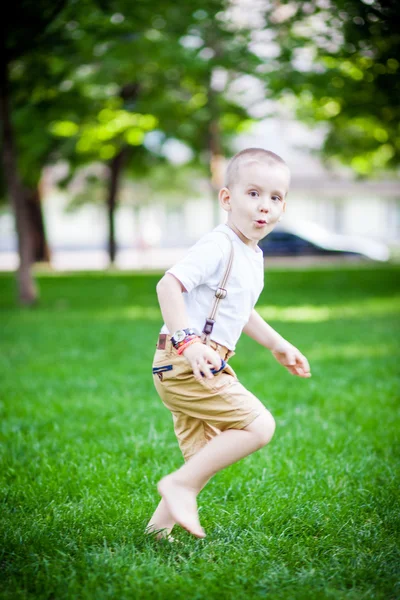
(159, 259)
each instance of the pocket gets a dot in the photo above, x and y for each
(221, 380)
(162, 369)
(217, 371)
(169, 367)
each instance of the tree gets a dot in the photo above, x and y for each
(164, 58)
(25, 28)
(338, 64)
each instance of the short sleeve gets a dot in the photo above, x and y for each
(200, 264)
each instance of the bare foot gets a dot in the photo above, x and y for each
(162, 534)
(181, 502)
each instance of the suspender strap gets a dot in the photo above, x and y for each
(220, 294)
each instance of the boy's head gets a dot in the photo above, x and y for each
(257, 182)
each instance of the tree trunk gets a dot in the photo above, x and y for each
(128, 92)
(27, 290)
(41, 252)
(216, 155)
(214, 134)
(116, 166)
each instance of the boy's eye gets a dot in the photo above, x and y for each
(276, 198)
(254, 193)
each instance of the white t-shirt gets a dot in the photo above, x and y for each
(201, 271)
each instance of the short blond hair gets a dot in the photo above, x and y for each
(246, 155)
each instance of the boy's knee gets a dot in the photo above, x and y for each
(263, 427)
(268, 430)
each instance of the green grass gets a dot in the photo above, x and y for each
(84, 439)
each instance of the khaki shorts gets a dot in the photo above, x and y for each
(201, 409)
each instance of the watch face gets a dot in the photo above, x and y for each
(179, 335)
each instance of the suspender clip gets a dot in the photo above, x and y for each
(208, 326)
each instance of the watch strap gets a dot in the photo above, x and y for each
(188, 332)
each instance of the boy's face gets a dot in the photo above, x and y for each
(256, 199)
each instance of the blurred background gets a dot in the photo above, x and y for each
(119, 117)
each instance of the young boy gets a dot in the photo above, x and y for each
(217, 421)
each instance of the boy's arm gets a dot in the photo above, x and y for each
(173, 309)
(261, 332)
(284, 352)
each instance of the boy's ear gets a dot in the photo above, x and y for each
(224, 197)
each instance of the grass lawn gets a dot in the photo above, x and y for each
(84, 439)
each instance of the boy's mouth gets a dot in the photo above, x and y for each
(261, 222)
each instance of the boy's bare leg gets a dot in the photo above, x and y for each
(179, 489)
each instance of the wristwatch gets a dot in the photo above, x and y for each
(180, 335)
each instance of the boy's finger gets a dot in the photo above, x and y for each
(299, 371)
(214, 360)
(301, 368)
(292, 370)
(214, 363)
(205, 369)
(304, 362)
(196, 372)
(217, 363)
(302, 373)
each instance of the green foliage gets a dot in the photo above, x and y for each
(339, 65)
(85, 438)
(112, 130)
(33, 74)
(100, 76)
(158, 74)
(90, 79)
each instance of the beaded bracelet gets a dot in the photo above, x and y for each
(189, 343)
(186, 339)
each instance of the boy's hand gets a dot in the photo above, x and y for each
(292, 359)
(202, 358)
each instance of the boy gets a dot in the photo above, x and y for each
(217, 421)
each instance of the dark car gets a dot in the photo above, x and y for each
(285, 243)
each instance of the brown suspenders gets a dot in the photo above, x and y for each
(220, 294)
